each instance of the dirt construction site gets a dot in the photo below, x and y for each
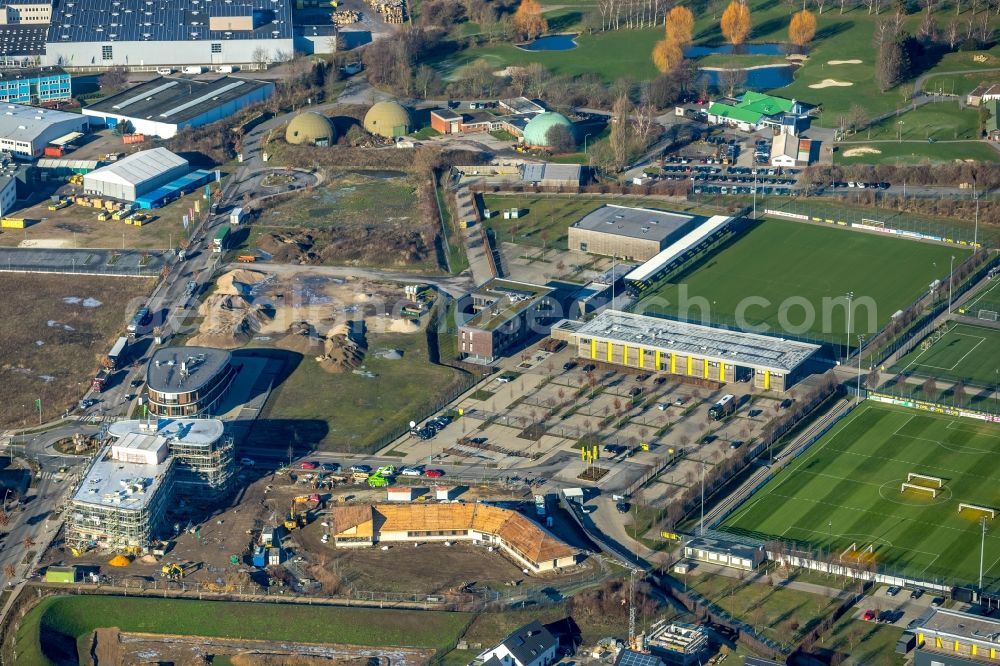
(213, 554)
(320, 316)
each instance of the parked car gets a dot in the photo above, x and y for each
(623, 507)
(870, 615)
(410, 471)
(634, 391)
(753, 413)
(361, 468)
(937, 602)
(505, 379)
(660, 381)
(306, 464)
(736, 443)
(247, 462)
(662, 406)
(916, 594)
(569, 365)
(679, 402)
(786, 403)
(893, 590)
(433, 473)
(590, 367)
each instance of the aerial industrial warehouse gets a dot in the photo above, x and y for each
(679, 348)
(136, 174)
(162, 106)
(136, 32)
(26, 130)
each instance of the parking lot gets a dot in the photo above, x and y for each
(535, 416)
(895, 605)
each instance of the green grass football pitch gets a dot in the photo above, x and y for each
(962, 353)
(985, 304)
(792, 277)
(845, 490)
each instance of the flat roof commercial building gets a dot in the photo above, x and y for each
(122, 498)
(204, 454)
(547, 174)
(524, 541)
(188, 381)
(679, 643)
(953, 638)
(26, 130)
(22, 45)
(36, 85)
(135, 175)
(725, 553)
(501, 313)
(124, 33)
(162, 106)
(628, 233)
(664, 346)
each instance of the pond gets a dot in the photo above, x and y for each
(742, 49)
(551, 43)
(759, 78)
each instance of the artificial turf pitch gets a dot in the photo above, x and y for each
(962, 353)
(784, 270)
(845, 489)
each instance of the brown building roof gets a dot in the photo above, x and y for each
(521, 534)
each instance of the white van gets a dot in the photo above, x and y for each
(224, 69)
(164, 71)
(193, 69)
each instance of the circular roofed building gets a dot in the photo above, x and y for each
(388, 119)
(188, 381)
(310, 128)
(536, 132)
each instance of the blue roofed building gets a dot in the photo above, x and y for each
(130, 33)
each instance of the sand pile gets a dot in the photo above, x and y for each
(301, 337)
(239, 282)
(864, 150)
(403, 326)
(230, 321)
(831, 83)
(853, 61)
(343, 349)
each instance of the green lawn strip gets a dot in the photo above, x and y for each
(808, 262)
(958, 84)
(367, 409)
(944, 121)
(76, 616)
(551, 215)
(916, 152)
(846, 490)
(965, 353)
(781, 614)
(863, 643)
(457, 260)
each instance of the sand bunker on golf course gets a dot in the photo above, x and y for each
(831, 83)
(864, 150)
(843, 62)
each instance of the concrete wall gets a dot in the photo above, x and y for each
(234, 52)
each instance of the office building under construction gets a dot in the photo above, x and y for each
(122, 500)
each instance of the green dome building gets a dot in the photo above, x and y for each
(310, 128)
(537, 130)
(388, 119)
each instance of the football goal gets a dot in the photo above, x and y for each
(903, 487)
(988, 315)
(925, 480)
(982, 511)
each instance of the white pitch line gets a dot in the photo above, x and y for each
(961, 360)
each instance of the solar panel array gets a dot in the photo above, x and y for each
(631, 658)
(22, 40)
(165, 20)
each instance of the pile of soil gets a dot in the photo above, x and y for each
(239, 282)
(367, 244)
(230, 321)
(301, 337)
(343, 350)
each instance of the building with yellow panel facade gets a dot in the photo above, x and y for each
(663, 346)
(948, 637)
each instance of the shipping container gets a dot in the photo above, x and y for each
(133, 138)
(54, 151)
(14, 223)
